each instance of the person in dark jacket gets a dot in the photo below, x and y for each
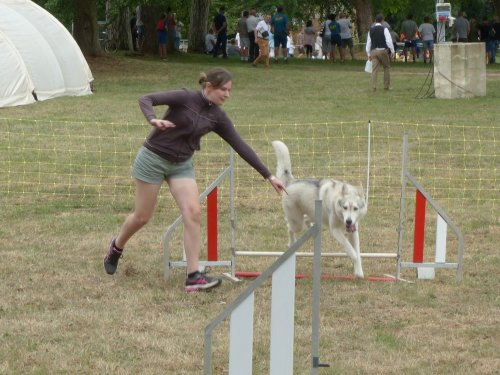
(166, 155)
(487, 36)
(496, 38)
(380, 51)
(220, 29)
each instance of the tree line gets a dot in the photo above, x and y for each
(81, 16)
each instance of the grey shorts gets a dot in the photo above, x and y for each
(326, 44)
(347, 43)
(153, 169)
(245, 42)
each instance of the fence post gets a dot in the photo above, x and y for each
(315, 323)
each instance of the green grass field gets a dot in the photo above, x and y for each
(65, 190)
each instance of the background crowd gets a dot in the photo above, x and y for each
(331, 39)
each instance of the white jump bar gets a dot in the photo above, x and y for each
(299, 254)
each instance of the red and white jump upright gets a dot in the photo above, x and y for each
(426, 270)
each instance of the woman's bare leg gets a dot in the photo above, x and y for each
(145, 202)
(186, 195)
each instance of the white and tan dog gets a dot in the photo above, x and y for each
(343, 206)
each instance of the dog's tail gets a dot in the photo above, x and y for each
(284, 165)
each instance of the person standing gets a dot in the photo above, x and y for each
(346, 37)
(326, 38)
(496, 38)
(335, 38)
(427, 34)
(271, 43)
(220, 30)
(161, 30)
(487, 35)
(300, 43)
(133, 31)
(473, 30)
(378, 44)
(395, 40)
(243, 33)
(171, 30)
(139, 27)
(252, 21)
(309, 39)
(318, 47)
(178, 36)
(262, 32)
(461, 29)
(290, 46)
(279, 28)
(166, 155)
(409, 30)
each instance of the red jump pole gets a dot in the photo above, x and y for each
(418, 240)
(250, 274)
(212, 222)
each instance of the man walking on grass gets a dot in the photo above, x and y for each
(378, 45)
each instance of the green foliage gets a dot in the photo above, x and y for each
(395, 11)
(477, 8)
(61, 9)
(392, 6)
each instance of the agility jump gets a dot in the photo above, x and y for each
(424, 270)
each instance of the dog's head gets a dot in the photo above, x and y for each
(351, 206)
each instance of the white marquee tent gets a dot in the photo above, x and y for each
(39, 59)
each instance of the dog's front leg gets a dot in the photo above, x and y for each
(291, 237)
(339, 235)
(354, 240)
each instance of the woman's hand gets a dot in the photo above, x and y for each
(277, 185)
(161, 124)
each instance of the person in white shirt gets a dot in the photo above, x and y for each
(378, 43)
(262, 40)
(289, 45)
(210, 40)
(318, 48)
(140, 27)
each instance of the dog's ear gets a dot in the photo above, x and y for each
(345, 189)
(361, 191)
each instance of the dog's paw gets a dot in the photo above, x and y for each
(359, 274)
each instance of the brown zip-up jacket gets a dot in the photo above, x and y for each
(193, 116)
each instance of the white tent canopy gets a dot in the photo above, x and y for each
(38, 55)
